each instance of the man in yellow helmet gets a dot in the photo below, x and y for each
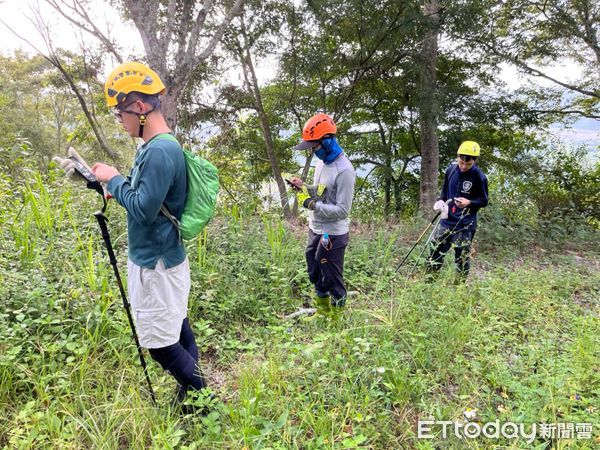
(158, 268)
(466, 188)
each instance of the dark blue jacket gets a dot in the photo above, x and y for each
(472, 185)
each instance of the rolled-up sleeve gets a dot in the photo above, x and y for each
(344, 195)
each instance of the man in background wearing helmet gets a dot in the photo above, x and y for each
(329, 201)
(466, 186)
(158, 268)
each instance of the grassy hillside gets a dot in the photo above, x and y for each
(520, 342)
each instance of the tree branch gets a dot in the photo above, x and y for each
(53, 59)
(88, 25)
(528, 69)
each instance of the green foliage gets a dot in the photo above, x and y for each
(545, 195)
(40, 115)
(530, 36)
(518, 343)
(32, 107)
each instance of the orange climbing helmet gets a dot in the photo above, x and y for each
(315, 128)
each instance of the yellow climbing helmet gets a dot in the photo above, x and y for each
(131, 77)
(469, 148)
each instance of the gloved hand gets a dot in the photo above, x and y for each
(69, 166)
(73, 172)
(308, 196)
(441, 206)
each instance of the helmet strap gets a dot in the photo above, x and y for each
(142, 119)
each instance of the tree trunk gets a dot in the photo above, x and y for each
(428, 116)
(179, 35)
(252, 81)
(387, 187)
(398, 197)
(169, 109)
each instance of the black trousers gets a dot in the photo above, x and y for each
(326, 265)
(446, 238)
(181, 359)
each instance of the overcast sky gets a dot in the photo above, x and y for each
(16, 13)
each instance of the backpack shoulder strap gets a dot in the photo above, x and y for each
(167, 136)
(163, 208)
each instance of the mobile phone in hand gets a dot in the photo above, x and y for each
(292, 185)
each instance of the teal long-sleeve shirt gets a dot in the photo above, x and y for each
(158, 175)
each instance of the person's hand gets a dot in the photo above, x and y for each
(462, 202)
(310, 195)
(296, 182)
(70, 166)
(441, 206)
(104, 173)
(305, 198)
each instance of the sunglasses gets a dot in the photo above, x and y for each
(466, 158)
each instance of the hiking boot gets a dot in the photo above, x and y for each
(337, 307)
(322, 304)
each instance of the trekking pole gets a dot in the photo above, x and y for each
(92, 183)
(102, 220)
(429, 239)
(425, 247)
(418, 240)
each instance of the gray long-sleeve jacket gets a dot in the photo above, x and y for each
(331, 216)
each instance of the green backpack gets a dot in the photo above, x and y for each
(202, 190)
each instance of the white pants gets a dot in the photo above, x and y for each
(159, 301)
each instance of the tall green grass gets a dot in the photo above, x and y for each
(520, 342)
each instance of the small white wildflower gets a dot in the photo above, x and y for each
(470, 413)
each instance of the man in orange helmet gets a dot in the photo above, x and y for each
(158, 268)
(329, 202)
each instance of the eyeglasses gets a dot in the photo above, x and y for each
(466, 158)
(119, 110)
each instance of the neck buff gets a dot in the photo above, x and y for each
(329, 151)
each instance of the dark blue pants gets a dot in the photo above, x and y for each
(181, 359)
(446, 238)
(326, 266)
